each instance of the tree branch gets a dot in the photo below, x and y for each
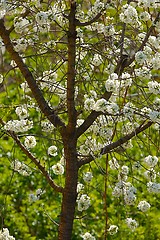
(72, 116)
(48, 112)
(118, 143)
(78, 23)
(125, 139)
(34, 160)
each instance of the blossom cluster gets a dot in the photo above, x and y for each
(83, 202)
(18, 125)
(88, 236)
(20, 167)
(4, 234)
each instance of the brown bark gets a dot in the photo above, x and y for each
(70, 139)
(70, 190)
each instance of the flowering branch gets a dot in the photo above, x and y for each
(35, 160)
(48, 112)
(110, 147)
(145, 40)
(78, 23)
(92, 117)
(125, 139)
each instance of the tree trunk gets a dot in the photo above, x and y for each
(70, 191)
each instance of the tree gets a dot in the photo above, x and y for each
(82, 77)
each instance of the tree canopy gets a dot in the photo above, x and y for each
(79, 119)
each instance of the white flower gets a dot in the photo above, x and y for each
(3, 7)
(21, 45)
(97, 60)
(47, 126)
(89, 103)
(87, 177)
(21, 112)
(30, 142)
(42, 18)
(131, 223)
(113, 163)
(58, 169)
(140, 57)
(88, 236)
(20, 24)
(150, 174)
(144, 206)
(4, 235)
(20, 167)
(154, 116)
(154, 87)
(151, 161)
(52, 150)
(113, 108)
(144, 16)
(25, 87)
(153, 187)
(128, 109)
(1, 78)
(18, 125)
(83, 202)
(112, 83)
(113, 229)
(146, 3)
(125, 170)
(80, 187)
(129, 14)
(100, 105)
(129, 197)
(143, 73)
(156, 61)
(126, 80)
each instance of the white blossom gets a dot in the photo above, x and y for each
(21, 112)
(20, 167)
(144, 16)
(97, 60)
(153, 187)
(112, 83)
(151, 161)
(1, 78)
(154, 87)
(52, 150)
(100, 105)
(3, 8)
(87, 177)
(113, 163)
(30, 142)
(144, 206)
(21, 45)
(131, 223)
(4, 235)
(80, 187)
(150, 174)
(140, 57)
(89, 103)
(156, 61)
(113, 229)
(18, 125)
(83, 202)
(88, 236)
(129, 14)
(20, 24)
(58, 169)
